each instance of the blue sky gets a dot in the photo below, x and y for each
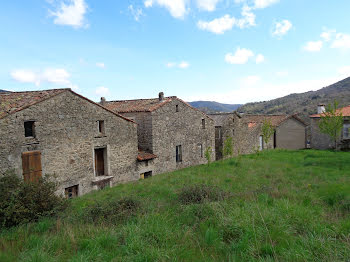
(231, 51)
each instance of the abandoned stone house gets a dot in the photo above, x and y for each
(60, 133)
(171, 133)
(245, 129)
(323, 141)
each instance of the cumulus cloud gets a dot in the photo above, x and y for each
(56, 76)
(264, 3)
(259, 59)
(207, 5)
(240, 57)
(177, 8)
(135, 12)
(100, 65)
(341, 41)
(71, 14)
(327, 34)
(102, 91)
(181, 65)
(281, 28)
(313, 46)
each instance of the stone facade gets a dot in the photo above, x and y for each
(68, 136)
(163, 125)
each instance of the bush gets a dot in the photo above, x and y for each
(200, 193)
(23, 202)
(111, 211)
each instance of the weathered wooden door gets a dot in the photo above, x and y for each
(99, 162)
(31, 165)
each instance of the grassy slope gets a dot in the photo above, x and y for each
(285, 206)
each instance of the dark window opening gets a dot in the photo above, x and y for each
(177, 108)
(147, 174)
(203, 123)
(100, 154)
(178, 154)
(71, 192)
(29, 129)
(146, 163)
(201, 149)
(101, 126)
(274, 140)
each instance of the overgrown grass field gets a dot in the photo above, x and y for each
(274, 206)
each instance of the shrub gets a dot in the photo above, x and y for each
(23, 202)
(195, 194)
(111, 211)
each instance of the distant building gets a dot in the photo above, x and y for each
(323, 141)
(290, 132)
(58, 132)
(171, 133)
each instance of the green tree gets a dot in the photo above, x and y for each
(331, 122)
(207, 154)
(228, 147)
(267, 131)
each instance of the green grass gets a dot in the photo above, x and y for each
(276, 206)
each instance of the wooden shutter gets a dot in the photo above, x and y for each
(31, 164)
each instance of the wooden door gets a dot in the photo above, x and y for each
(99, 162)
(31, 165)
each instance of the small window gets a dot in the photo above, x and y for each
(346, 131)
(177, 108)
(101, 127)
(29, 128)
(146, 163)
(178, 154)
(71, 192)
(203, 123)
(233, 132)
(201, 149)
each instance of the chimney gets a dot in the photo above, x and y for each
(103, 101)
(161, 96)
(321, 109)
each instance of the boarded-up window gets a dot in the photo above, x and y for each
(101, 127)
(100, 161)
(178, 153)
(31, 164)
(201, 150)
(71, 192)
(29, 129)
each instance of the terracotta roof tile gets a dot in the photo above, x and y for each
(143, 156)
(345, 111)
(11, 102)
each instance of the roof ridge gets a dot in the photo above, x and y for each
(36, 91)
(140, 99)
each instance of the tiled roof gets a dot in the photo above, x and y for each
(143, 156)
(276, 120)
(11, 102)
(219, 118)
(345, 112)
(138, 105)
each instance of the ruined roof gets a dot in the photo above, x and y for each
(11, 102)
(219, 118)
(345, 112)
(143, 156)
(137, 105)
(276, 120)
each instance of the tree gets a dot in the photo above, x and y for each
(207, 154)
(228, 147)
(267, 130)
(331, 122)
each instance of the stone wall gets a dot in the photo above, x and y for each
(67, 134)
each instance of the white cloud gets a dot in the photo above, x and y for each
(100, 65)
(207, 5)
(344, 71)
(240, 57)
(282, 28)
(250, 80)
(315, 46)
(102, 91)
(182, 65)
(136, 12)
(177, 8)
(218, 25)
(71, 14)
(248, 18)
(259, 59)
(56, 76)
(264, 3)
(327, 34)
(341, 41)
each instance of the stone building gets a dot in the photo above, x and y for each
(323, 141)
(58, 132)
(172, 133)
(290, 132)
